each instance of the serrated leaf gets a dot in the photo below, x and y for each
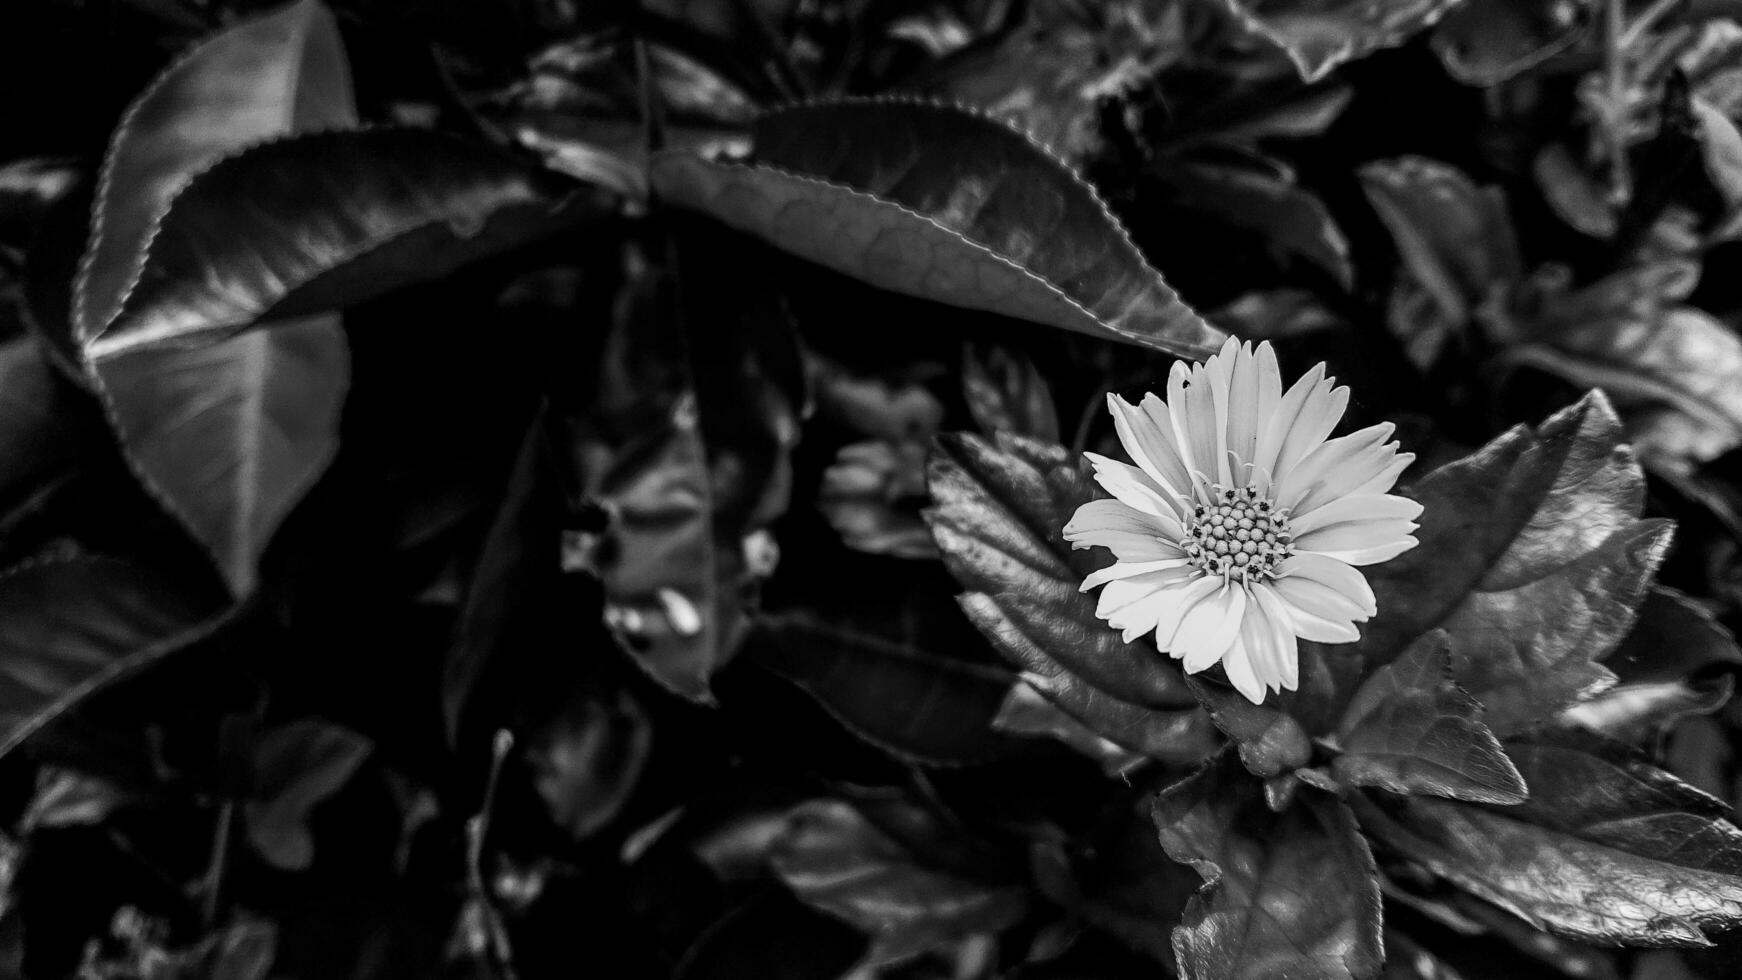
(1532, 560)
(999, 507)
(1411, 729)
(837, 861)
(1286, 895)
(1486, 42)
(230, 436)
(332, 219)
(279, 73)
(297, 767)
(917, 704)
(1007, 393)
(1603, 852)
(71, 626)
(945, 204)
(1319, 35)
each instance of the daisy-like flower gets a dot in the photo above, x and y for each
(1240, 528)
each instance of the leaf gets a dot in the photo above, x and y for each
(1671, 369)
(999, 507)
(1026, 711)
(1532, 561)
(772, 937)
(1007, 393)
(640, 460)
(1673, 640)
(588, 760)
(1319, 35)
(72, 626)
(839, 862)
(1277, 314)
(1289, 219)
(1486, 42)
(1721, 147)
(1574, 193)
(921, 706)
(502, 621)
(280, 73)
(297, 767)
(230, 436)
(1292, 894)
(872, 494)
(1602, 852)
(332, 219)
(944, 204)
(1455, 239)
(1411, 729)
(43, 428)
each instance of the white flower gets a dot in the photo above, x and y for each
(1240, 527)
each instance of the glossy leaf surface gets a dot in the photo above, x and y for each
(944, 204)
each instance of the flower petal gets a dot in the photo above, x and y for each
(1131, 534)
(1360, 507)
(1334, 468)
(1151, 450)
(1319, 599)
(1120, 570)
(1243, 393)
(1311, 626)
(1360, 542)
(1209, 629)
(1172, 464)
(1338, 576)
(1280, 421)
(1386, 478)
(1278, 661)
(1186, 597)
(1218, 374)
(1132, 487)
(1322, 410)
(1238, 664)
(1165, 603)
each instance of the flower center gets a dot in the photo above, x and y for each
(1238, 534)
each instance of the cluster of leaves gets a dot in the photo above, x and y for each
(499, 489)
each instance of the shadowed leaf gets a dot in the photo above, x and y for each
(1663, 668)
(1319, 35)
(1286, 895)
(921, 706)
(1485, 42)
(296, 768)
(999, 507)
(1603, 852)
(71, 626)
(230, 436)
(836, 860)
(1006, 392)
(944, 204)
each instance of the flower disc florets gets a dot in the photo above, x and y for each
(1241, 535)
